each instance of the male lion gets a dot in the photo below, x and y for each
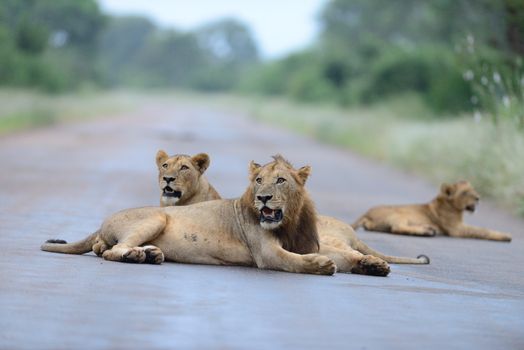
(271, 226)
(444, 214)
(335, 236)
(181, 181)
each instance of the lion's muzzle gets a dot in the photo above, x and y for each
(471, 207)
(170, 192)
(270, 215)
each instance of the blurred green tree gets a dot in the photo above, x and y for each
(229, 48)
(48, 43)
(372, 49)
(121, 43)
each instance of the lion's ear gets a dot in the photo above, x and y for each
(201, 162)
(161, 157)
(254, 169)
(303, 173)
(447, 189)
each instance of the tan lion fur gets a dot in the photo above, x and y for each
(145, 235)
(219, 232)
(184, 174)
(443, 215)
(339, 239)
(298, 231)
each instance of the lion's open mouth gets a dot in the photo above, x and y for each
(471, 208)
(169, 192)
(270, 215)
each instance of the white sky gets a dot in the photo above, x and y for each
(279, 27)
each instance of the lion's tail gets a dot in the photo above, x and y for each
(61, 246)
(365, 249)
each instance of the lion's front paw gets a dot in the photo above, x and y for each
(430, 231)
(319, 264)
(153, 255)
(505, 237)
(371, 265)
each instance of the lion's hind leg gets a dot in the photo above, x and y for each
(148, 254)
(129, 247)
(349, 260)
(371, 265)
(100, 246)
(153, 255)
(374, 224)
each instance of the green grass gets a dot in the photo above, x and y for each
(23, 109)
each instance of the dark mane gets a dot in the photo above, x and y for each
(302, 237)
(298, 232)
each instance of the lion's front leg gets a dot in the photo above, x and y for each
(272, 256)
(466, 231)
(406, 228)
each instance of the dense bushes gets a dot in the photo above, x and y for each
(372, 50)
(310, 77)
(433, 73)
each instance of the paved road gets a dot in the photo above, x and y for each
(62, 181)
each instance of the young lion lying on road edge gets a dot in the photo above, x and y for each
(444, 215)
(271, 226)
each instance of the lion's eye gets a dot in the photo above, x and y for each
(281, 180)
(184, 167)
(164, 165)
(259, 180)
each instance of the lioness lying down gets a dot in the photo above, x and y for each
(335, 235)
(271, 226)
(443, 215)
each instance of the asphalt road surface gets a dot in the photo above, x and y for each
(60, 182)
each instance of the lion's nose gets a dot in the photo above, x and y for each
(264, 199)
(168, 179)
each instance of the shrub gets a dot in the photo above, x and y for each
(430, 72)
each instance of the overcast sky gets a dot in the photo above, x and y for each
(278, 26)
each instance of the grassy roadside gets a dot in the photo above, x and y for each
(401, 132)
(405, 134)
(24, 109)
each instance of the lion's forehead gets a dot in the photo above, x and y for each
(464, 184)
(275, 170)
(174, 164)
(466, 187)
(178, 159)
